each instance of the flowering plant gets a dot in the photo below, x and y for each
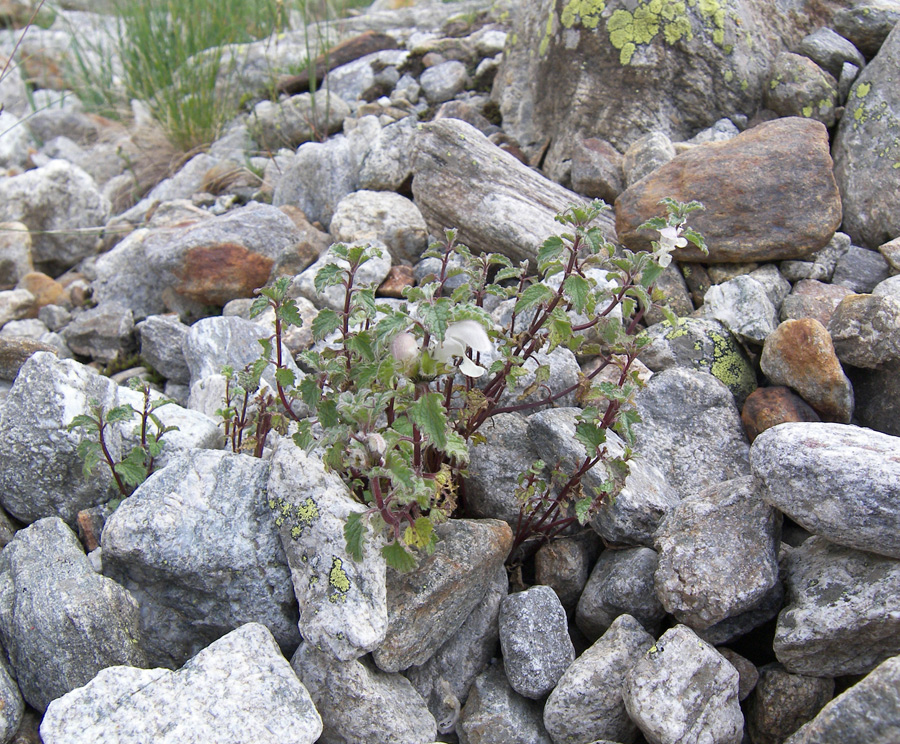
(395, 392)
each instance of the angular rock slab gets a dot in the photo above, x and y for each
(361, 704)
(843, 613)
(343, 603)
(743, 183)
(445, 679)
(462, 180)
(717, 553)
(587, 702)
(238, 689)
(841, 482)
(535, 640)
(682, 689)
(691, 430)
(427, 605)
(198, 547)
(60, 622)
(866, 150)
(869, 711)
(40, 470)
(496, 714)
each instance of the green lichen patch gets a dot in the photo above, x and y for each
(585, 12)
(730, 367)
(298, 517)
(338, 581)
(862, 90)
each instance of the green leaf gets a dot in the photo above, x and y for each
(651, 273)
(510, 272)
(420, 535)
(361, 343)
(578, 290)
(88, 422)
(133, 469)
(259, 306)
(285, 377)
(398, 557)
(91, 453)
(456, 448)
(429, 415)
(330, 275)
(624, 424)
(289, 313)
(120, 413)
(354, 533)
(590, 435)
(303, 437)
(310, 392)
(436, 317)
(266, 344)
(583, 509)
(533, 296)
(549, 252)
(328, 414)
(327, 321)
(390, 325)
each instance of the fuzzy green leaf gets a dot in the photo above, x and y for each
(533, 296)
(285, 377)
(590, 435)
(330, 275)
(91, 453)
(354, 533)
(429, 415)
(289, 313)
(583, 509)
(651, 273)
(328, 414)
(120, 413)
(133, 469)
(327, 321)
(436, 317)
(259, 306)
(398, 557)
(88, 422)
(578, 290)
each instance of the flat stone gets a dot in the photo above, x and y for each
(834, 480)
(597, 169)
(161, 338)
(587, 702)
(535, 640)
(800, 355)
(843, 613)
(860, 269)
(830, 50)
(15, 253)
(427, 605)
(297, 119)
(681, 689)
(813, 299)
(784, 156)
(564, 565)
(103, 333)
(717, 553)
(238, 689)
(645, 155)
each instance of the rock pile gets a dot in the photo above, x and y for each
(750, 566)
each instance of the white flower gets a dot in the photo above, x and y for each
(462, 335)
(405, 347)
(669, 239)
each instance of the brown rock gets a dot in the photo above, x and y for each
(800, 355)
(769, 195)
(215, 274)
(15, 351)
(812, 299)
(46, 291)
(768, 407)
(399, 278)
(891, 253)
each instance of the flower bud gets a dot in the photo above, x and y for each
(404, 347)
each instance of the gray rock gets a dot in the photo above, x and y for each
(161, 338)
(498, 204)
(682, 689)
(691, 430)
(830, 50)
(645, 155)
(60, 622)
(634, 512)
(865, 330)
(743, 306)
(357, 79)
(621, 583)
(238, 689)
(445, 679)
(495, 466)
(834, 480)
(15, 351)
(443, 81)
(868, 711)
(343, 604)
(747, 671)
(734, 627)
(297, 119)
(865, 149)
(878, 392)
(213, 343)
(427, 605)
(587, 702)
(867, 24)
(889, 287)
(535, 640)
(40, 470)
(564, 564)
(597, 169)
(318, 178)
(813, 299)
(360, 704)
(197, 545)
(843, 610)
(15, 304)
(891, 253)
(60, 203)
(782, 702)
(383, 217)
(103, 333)
(497, 714)
(15, 253)
(799, 87)
(387, 163)
(860, 269)
(776, 286)
(848, 76)
(15, 141)
(12, 707)
(702, 344)
(821, 264)
(717, 553)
